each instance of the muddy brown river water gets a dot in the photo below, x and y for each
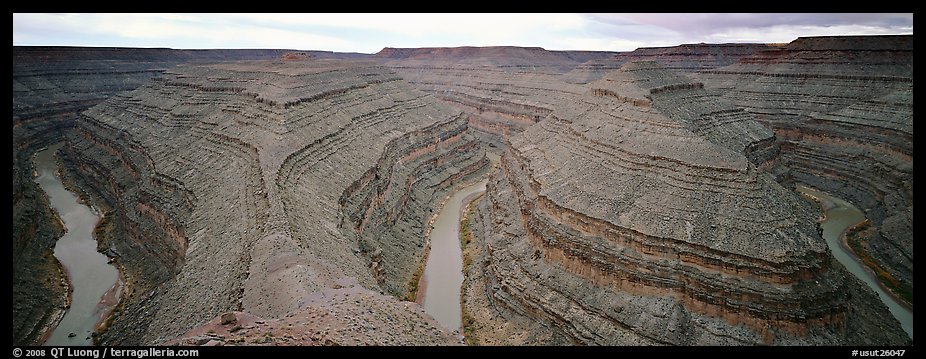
(443, 273)
(840, 215)
(90, 273)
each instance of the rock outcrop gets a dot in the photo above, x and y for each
(348, 315)
(249, 186)
(842, 112)
(638, 216)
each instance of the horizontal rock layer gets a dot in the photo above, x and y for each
(636, 216)
(682, 58)
(842, 112)
(499, 103)
(51, 86)
(507, 89)
(508, 58)
(259, 183)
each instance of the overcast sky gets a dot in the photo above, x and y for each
(369, 33)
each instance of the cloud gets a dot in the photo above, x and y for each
(787, 33)
(371, 32)
(699, 24)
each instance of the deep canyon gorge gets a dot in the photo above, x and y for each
(638, 198)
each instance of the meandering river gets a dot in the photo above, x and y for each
(443, 272)
(89, 272)
(840, 215)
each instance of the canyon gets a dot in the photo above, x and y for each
(641, 198)
(841, 109)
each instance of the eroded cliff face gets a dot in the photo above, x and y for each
(505, 90)
(51, 86)
(501, 95)
(498, 103)
(638, 216)
(842, 112)
(249, 186)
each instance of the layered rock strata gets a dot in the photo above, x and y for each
(498, 103)
(842, 112)
(508, 58)
(507, 89)
(684, 58)
(249, 186)
(51, 86)
(635, 212)
(49, 90)
(638, 216)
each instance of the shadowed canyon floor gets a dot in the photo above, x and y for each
(643, 198)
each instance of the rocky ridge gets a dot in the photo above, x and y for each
(344, 315)
(842, 112)
(503, 89)
(638, 216)
(248, 186)
(51, 86)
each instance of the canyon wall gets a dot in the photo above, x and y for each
(52, 85)
(842, 112)
(503, 90)
(248, 186)
(636, 202)
(508, 58)
(638, 216)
